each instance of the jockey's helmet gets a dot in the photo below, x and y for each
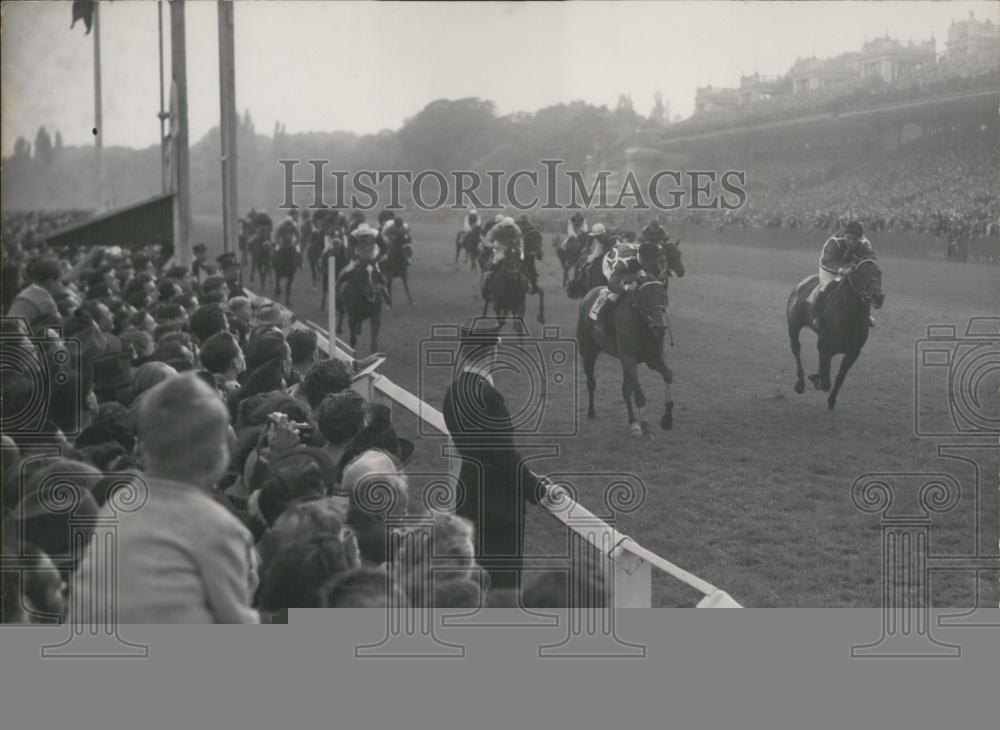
(472, 211)
(653, 232)
(365, 231)
(294, 213)
(507, 231)
(854, 228)
(576, 218)
(598, 230)
(498, 218)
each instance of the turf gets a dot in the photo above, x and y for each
(751, 490)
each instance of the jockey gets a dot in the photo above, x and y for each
(505, 237)
(531, 239)
(626, 264)
(599, 243)
(366, 251)
(840, 254)
(394, 230)
(288, 230)
(576, 226)
(471, 221)
(488, 226)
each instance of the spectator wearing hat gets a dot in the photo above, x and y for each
(268, 314)
(182, 557)
(339, 418)
(199, 267)
(303, 344)
(113, 378)
(36, 303)
(230, 269)
(496, 483)
(207, 320)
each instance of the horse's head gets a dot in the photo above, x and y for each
(672, 258)
(651, 301)
(866, 280)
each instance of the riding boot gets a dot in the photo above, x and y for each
(604, 316)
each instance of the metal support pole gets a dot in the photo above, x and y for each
(227, 125)
(102, 200)
(182, 199)
(331, 303)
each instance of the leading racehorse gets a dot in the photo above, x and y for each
(468, 241)
(843, 323)
(507, 289)
(285, 262)
(361, 293)
(639, 323)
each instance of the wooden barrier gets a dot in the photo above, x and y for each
(631, 564)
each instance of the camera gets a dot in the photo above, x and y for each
(957, 380)
(279, 419)
(537, 375)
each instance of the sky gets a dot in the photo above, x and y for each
(364, 67)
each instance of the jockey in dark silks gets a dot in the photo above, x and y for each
(288, 232)
(840, 254)
(488, 225)
(531, 241)
(628, 263)
(576, 227)
(366, 251)
(505, 241)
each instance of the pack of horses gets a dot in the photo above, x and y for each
(639, 323)
(636, 328)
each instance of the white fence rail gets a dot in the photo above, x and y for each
(631, 564)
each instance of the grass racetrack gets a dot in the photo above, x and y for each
(751, 490)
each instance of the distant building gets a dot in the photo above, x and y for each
(972, 37)
(759, 87)
(888, 58)
(809, 74)
(707, 99)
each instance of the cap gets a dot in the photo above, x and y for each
(365, 230)
(598, 230)
(268, 313)
(227, 260)
(856, 228)
(653, 232)
(112, 371)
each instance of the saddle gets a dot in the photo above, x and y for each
(599, 300)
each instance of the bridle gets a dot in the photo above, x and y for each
(863, 294)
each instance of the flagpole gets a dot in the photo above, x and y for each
(163, 115)
(179, 140)
(98, 123)
(227, 125)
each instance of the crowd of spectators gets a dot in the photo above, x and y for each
(245, 474)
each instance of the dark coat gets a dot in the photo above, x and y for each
(496, 484)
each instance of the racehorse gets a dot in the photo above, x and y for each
(568, 251)
(260, 257)
(532, 255)
(468, 241)
(507, 289)
(844, 323)
(397, 261)
(285, 262)
(639, 322)
(362, 292)
(314, 252)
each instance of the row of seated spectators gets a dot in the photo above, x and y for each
(943, 77)
(245, 474)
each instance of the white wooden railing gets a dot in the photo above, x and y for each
(631, 564)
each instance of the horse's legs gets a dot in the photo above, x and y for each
(590, 353)
(667, 421)
(825, 357)
(376, 325)
(288, 290)
(630, 381)
(793, 336)
(406, 288)
(845, 364)
(541, 304)
(355, 329)
(340, 320)
(277, 287)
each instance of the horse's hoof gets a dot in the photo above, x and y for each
(635, 429)
(814, 379)
(591, 415)
(541, 319)
(667, 420)
(800, 387)
(830, 403)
